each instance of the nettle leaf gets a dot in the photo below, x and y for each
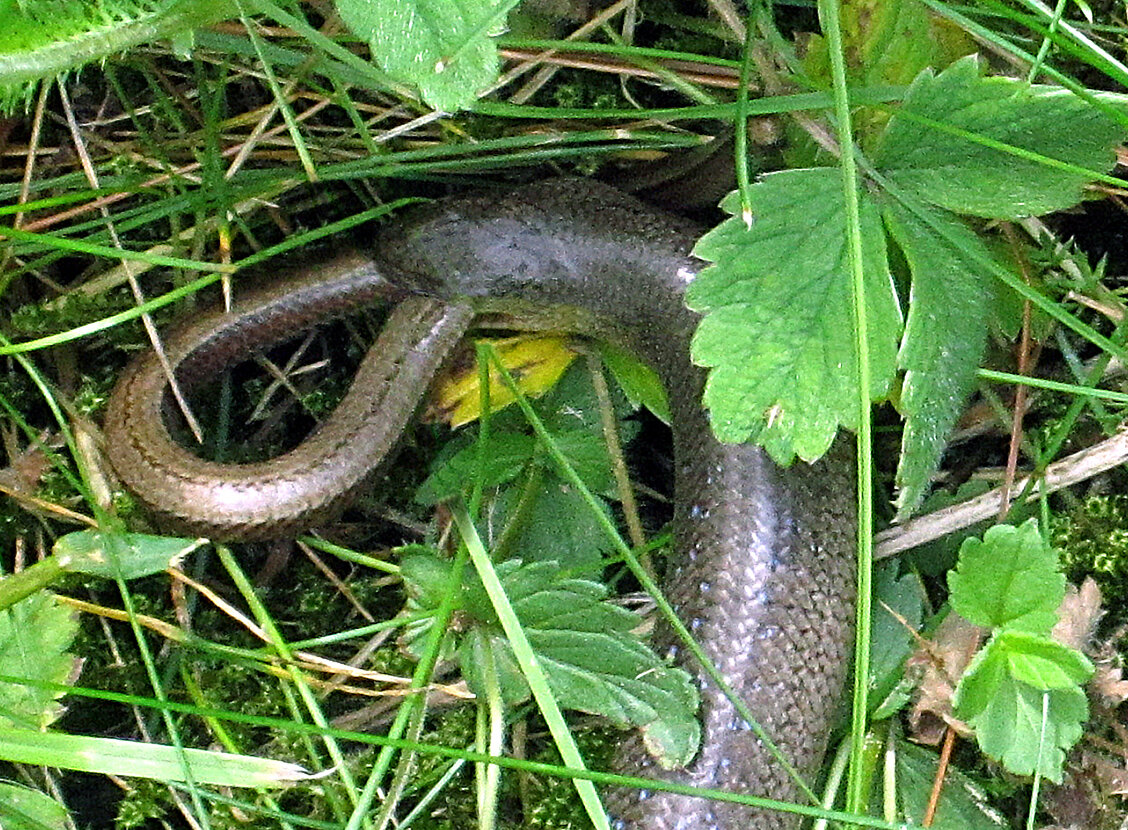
(778, 328)
(592, 660)
(1011, 578)
(945, 335)
(968, 177)
(1026, 728)
(35, 634)
(443, 47)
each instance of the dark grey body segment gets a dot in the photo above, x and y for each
(762, 573)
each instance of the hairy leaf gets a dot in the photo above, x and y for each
(945, 334)
(35, 634)
(46, 38)
(778, 326)
(957, 173)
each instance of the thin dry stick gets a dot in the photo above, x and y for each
(180, 172)
(1020, 393)
(1083, 465)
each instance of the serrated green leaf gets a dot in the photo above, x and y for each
(505, 458)
(1012, 717)
(945, 335)
(1042, 663)
(981, 683)
(442, 47)
(778, 327)
(22, 808)
(592, 661)
(1029, 730)
(970, 178)
(1011, 578)
(964, 805)
(35, 634)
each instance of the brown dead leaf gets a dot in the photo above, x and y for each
(1090, 797)
(25, 472)
(1113, 777)
(942, 660)
(1109, 684)
(1078, 615)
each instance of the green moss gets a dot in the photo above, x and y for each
(144, 800)
(1093, 539)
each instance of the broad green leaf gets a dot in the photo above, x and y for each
(945, 334)
(556, 524)
(425, 576)
(97, 553)
(1042, 663)
(507, 455)
(570, 411)
(22, 808)
(128, 555)
(1012, 716)
(35, 634)
(1010, 579)
(897, 615)
(963, 804)
(961, 175)
(981, 682)
(1029, 730)
(592, 660)
(778, 326)
(443, 47)
(638, 381)
(111, 756)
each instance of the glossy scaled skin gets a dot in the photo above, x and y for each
(762, 573)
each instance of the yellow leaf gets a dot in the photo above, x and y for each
(536, 361)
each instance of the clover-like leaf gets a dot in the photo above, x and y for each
(1009, 579)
